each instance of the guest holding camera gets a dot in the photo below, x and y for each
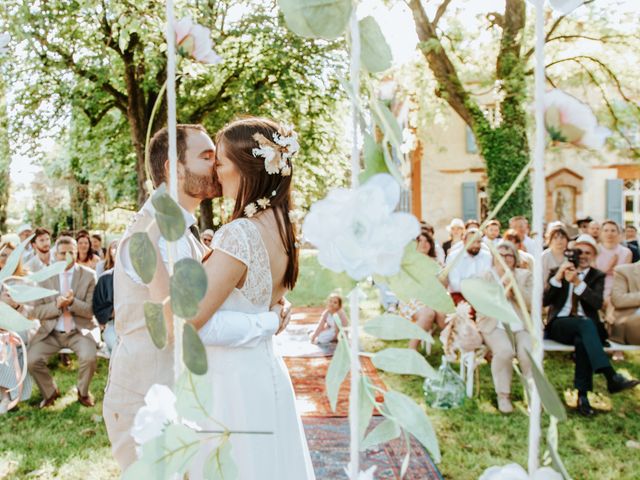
(574, 294)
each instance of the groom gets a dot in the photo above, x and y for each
(136, 364)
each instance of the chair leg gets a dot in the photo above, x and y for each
(470, 359)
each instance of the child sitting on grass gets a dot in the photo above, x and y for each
(327, 330)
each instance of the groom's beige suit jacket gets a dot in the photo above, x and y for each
(136, 363)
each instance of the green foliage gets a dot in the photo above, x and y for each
(375, 53)
(143, 256)
(13, 260)
(489, 299)
(395, 327)
(156, 323)
(403, 361)
(548, 395)
(11, 320)
(337, 371)
(28, 293)
(188, 286)
(220, 464)
(310, 18)
(193, 352)
(48, 272)
(384, 432)
(194, 397)
(168, 215)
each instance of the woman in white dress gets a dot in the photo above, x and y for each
(253, 264)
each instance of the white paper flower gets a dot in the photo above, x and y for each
(193, 40)
(513, 471)
(569, 120)
(565, 6)
(271, 160)
(290, 143)
(263, 202)
(250, 210)
(357, 230)
(368, 475)
(159, 410)
(5, 38)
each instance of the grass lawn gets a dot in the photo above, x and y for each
(70, 441)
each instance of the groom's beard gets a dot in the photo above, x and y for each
(199, 186)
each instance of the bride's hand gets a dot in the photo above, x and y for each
(283, 309)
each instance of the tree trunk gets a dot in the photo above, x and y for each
(206, 214)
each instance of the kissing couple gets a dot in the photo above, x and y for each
(253, 263)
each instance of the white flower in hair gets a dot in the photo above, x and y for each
(250, 210)
(278, 152)
(264, 203)
(271, 158)
(286, 171)
(290, 143)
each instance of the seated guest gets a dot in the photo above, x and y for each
(327, 329)
(12, 365)
(96, 245)
(86, 256)
(526, 259)
(583, 225)
(41, 246)
(456, 231)
(428, 228)
(471, 223)
(474, 262)
(631, 242)
(109, 259)
(521, 225)
(574, 294)
(625, 298)
(610, 254)
(207, 237)
(553, 256)
(66, 321)
(492, 232)
(103, 298)
(494, 334)
(593, 229)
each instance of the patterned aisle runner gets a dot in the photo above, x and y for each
(327, 431)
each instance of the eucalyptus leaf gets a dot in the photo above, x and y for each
(194, 397)
(220, 465)
(552, 443)
(365, 406)
(389, 161)
(187, 286)
(172, 451)
(375, 53)
(374, 162)
(395, 327)
(384, 432)
(193, 352)
(336, 372)
(413, 419)
(12, 261)
(405, 461)
(139, 469)
(156, 324)
(29, 293)
(387, 122)
(489, 299)
(418, 279)
(404, 361)
(317, 18)
(548, 395)
(168, 215)
(143, 256)
(11, 320)
(47, 272)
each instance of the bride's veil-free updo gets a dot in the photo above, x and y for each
(257, 184)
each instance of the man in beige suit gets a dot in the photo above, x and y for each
(66, 321)
(136, 364)
(625, 297)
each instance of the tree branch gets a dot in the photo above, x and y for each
(440, 12)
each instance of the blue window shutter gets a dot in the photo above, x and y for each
(469, 200)
(472, 147)
(614, 200)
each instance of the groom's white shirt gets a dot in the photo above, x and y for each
(225, 328)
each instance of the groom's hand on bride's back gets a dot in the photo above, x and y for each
(283, 309)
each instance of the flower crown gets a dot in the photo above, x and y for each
(278, 152)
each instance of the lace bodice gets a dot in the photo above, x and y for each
(241, 239)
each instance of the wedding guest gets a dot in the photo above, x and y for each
(521, 225)
(85, 255)
(553, 257)
(66, 321)
(41, 246)
(494, 334)
(574, 296)
(103, 298)
(96, 245)
(24, 231)
(526, 259)
(625, 298)
(583, 225)
(456, 231)
(593, 229)
(327, 329)
(427, 227)
(631, 242)
(471, 223)
(12, 366)
(492, 232)
(109, 259)
(207, 236)
(610, 254)
(474, 262)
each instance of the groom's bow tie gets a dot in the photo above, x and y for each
(195, 231)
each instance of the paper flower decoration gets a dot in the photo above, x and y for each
(193, 40)
(565, 6)
(159, 410)
(368, 475)
(5, 38)
(569, 120)
(358, 231)
(513, 471)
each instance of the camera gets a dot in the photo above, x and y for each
(572, 255)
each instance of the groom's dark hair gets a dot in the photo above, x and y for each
(159, 150)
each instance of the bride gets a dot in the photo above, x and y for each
(253, 264)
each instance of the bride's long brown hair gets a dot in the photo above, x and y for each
(256, 183)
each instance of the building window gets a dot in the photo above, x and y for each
(631, 194)
(472, 146)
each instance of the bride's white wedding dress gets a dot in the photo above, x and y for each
(252, 390)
